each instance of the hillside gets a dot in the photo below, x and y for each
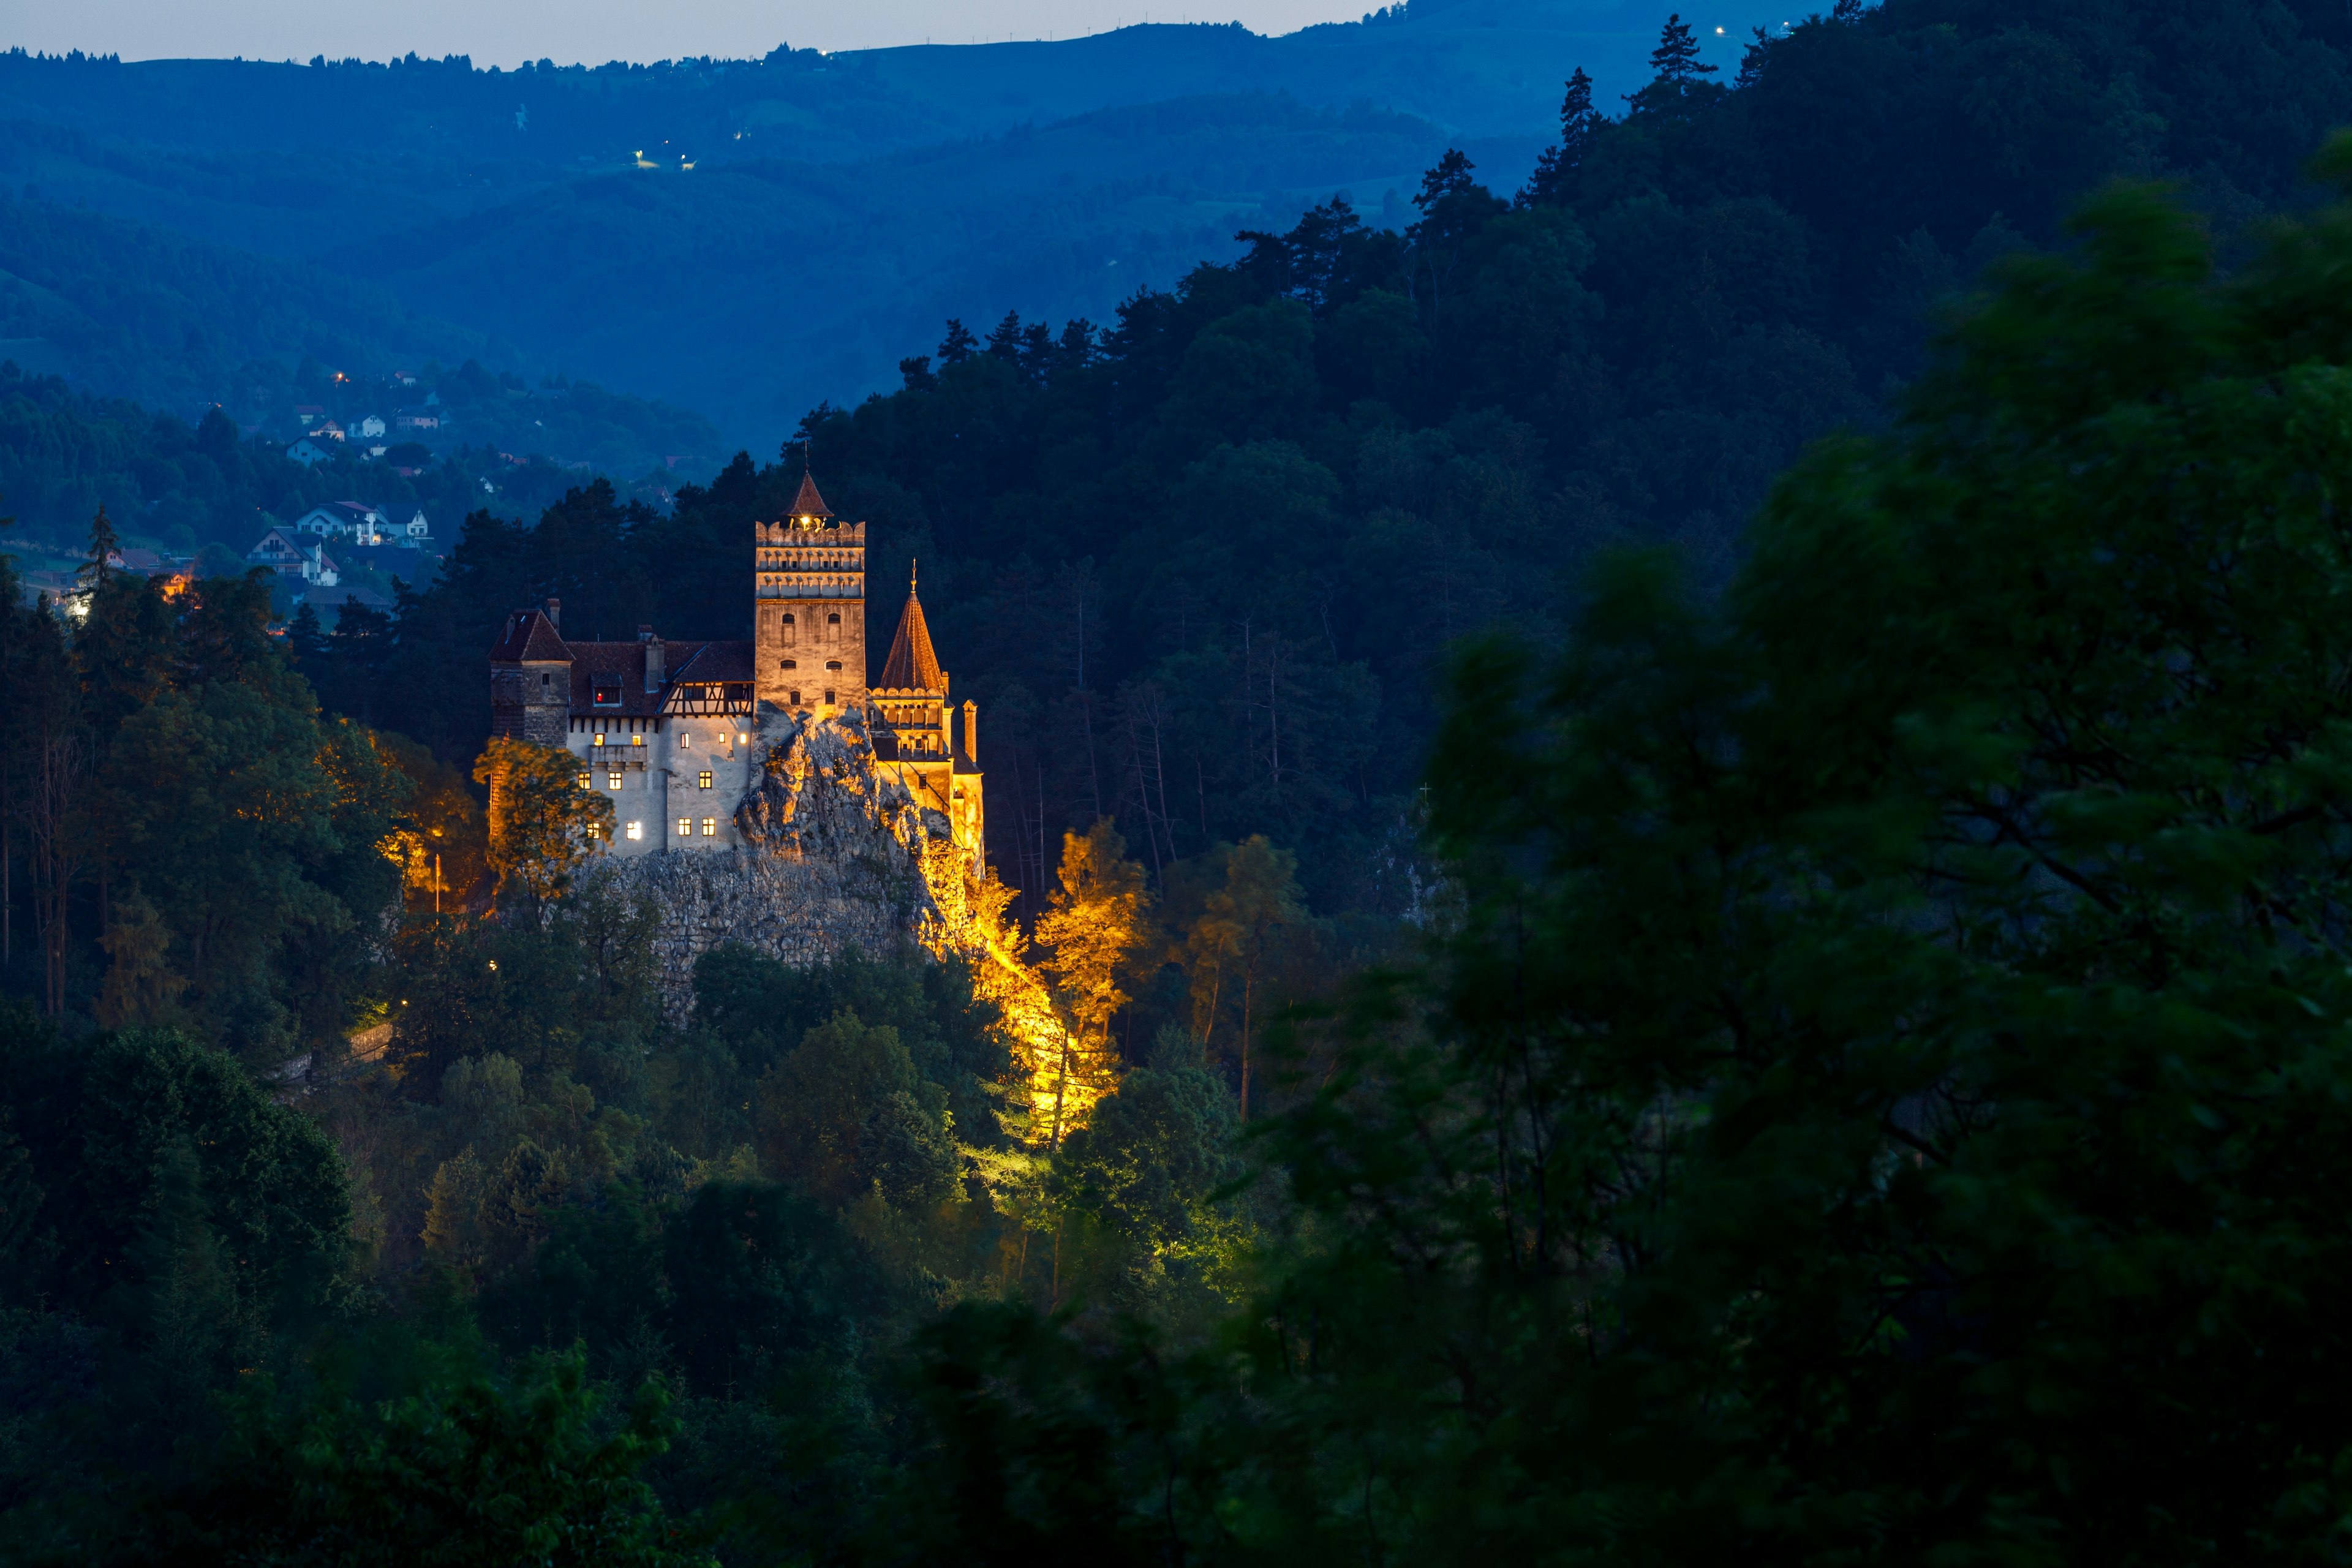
(146, 314)
(552, 213)
(1669, 820)
(755, 290)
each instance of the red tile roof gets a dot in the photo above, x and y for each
(808, 503)
(912, 666)
(529, 637)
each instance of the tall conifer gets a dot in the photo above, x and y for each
(1676, 60)
(1579, 123)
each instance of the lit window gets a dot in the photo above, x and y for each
(711, 827)
(595, 832)
(685, 739)
(612, 779)
(702, 779)
(636, 740)
(584, 780)
(746, 740)
(600, 737)
(636, 830)
(686, 827)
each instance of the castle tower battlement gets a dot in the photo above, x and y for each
(809, 585)
(675, 732)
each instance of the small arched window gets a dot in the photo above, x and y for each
(832, 620)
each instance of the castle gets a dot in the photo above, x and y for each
(680, 734)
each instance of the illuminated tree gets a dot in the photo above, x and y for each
(1095, 925)
(543, 823)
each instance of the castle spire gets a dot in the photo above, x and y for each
(912, 666)
(808, 503)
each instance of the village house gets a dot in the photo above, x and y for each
(344, 519)
(308, 452)
(371, 425)
(285, 553)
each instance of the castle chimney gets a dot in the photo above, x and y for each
(555, 615)
(972, 732)
(655, 661)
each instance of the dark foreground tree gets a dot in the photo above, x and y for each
(463, 1474)
(1899, 1031)
(1888, 1094)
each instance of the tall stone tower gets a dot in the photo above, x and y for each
(531, 677)
(809, 635)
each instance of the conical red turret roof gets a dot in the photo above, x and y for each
(912, 666)
(808, 503)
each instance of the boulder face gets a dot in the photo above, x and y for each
(832, 859)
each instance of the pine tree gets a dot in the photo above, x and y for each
(1450, 178)
(1579, 125)
(306, 639)
(1751, 64)
(1679, 72)
(1004, 342)
(958, 345)
(1454, 207)
(97, 568)
(1676, 60)
(1846, 11)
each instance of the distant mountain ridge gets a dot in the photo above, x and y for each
(1476, 67)
(749, 238)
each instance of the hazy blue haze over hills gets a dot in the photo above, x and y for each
(837, 209)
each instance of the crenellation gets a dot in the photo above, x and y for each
(678, 735)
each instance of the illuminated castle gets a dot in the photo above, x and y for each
(680, 733)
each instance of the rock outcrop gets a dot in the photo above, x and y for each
(833, 859)
(839, 857)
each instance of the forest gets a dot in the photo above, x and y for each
(136, 312)
(1699, 803)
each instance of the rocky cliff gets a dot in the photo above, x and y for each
(836, 856)
(832, 858)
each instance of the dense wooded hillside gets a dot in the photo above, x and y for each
(1719, 919)
(1201, 563)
